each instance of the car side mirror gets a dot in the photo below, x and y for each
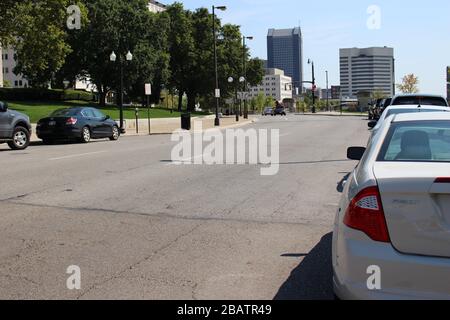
(107, 117)
(372, 124)
(355, 153)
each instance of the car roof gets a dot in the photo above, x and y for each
(426, 116)
(415, 106)
(418, 95)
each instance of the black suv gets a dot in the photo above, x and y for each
(15, 128)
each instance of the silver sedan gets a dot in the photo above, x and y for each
(392, 230)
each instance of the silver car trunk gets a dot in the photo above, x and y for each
(416, 206)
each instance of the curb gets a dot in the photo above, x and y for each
(35, 139)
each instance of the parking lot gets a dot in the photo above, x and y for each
(140, 227)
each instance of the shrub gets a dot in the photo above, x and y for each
(35, 94)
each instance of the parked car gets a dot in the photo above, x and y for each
(394, 110)
(15, 128)
(387, 102)
(80, 123)
(373, 109)
(393, 218)
(419, 99)
(380, 106)
(267, 112)
(279, 111)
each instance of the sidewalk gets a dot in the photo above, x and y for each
(169, 125)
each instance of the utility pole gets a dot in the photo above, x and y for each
(313, 87)
(217, 90)
(328, 95)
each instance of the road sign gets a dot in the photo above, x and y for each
(217, 93)
(148, 89)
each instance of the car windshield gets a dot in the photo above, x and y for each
(428, 101)
(64, 113)
(415, 110)
(420, 141)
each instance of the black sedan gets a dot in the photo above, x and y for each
(80, 123)
(279, 111)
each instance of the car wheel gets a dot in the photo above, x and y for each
(85, 135)
(115, 134)
(20, 139)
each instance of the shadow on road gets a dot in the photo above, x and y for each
(341, 184)
(313, 278)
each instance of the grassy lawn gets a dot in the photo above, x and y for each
(39, 110)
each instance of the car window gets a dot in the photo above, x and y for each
(98, 114)
(88, 113)
(415, 110)
(64, 113)
(421, 141)
(429, 101)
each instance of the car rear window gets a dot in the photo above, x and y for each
(429, 101)
(421, 141)
(415, 110)
(64, 113)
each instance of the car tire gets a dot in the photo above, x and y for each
(115, 134)
(85, 135)
(20, 139)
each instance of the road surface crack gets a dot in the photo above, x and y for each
(136, 264)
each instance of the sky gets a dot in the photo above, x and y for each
(418, 30)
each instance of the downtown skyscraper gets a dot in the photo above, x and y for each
(285, 52)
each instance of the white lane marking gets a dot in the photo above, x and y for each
(76, 155)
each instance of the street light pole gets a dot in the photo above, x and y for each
(231, 80)
(113, 58)
(328, 94)
(244, 67)
(122, 129)
(216, 91)
(313, 86)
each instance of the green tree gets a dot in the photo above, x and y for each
(192, 58)
(255, 72)
(119, 26)
(181, 49)
(270, 101)
(378, 94)
(260, 101)
(37, 30)
(9, 16)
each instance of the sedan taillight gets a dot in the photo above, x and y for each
(365, 213)
(71, 121)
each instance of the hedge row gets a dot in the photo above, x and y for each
(31, 94)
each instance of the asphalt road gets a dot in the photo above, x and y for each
(141, 227)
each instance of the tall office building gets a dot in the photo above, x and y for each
(368, 69)
(285, 52)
